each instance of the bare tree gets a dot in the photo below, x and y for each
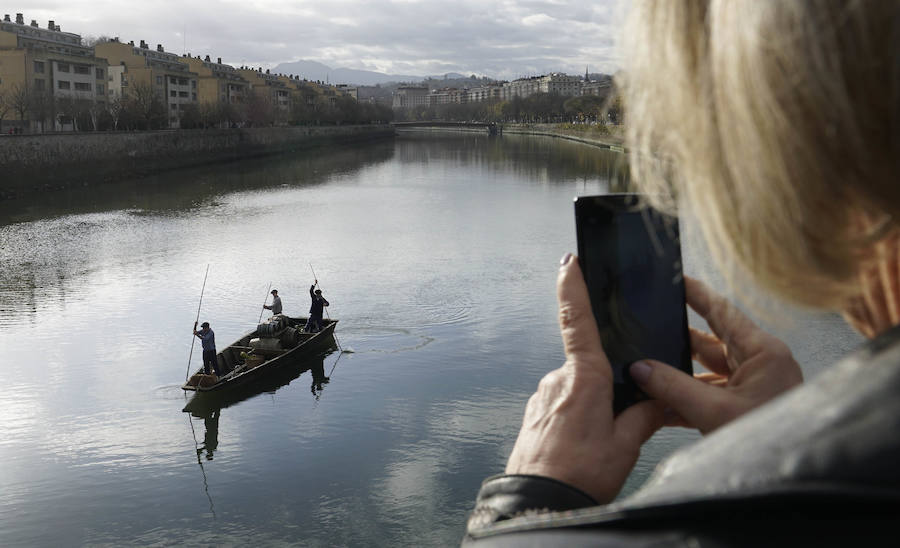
(5, 105)
(91, 41)
(148, 105)
(20, 100)
(114, 107)
(258, 108)
(43, 107)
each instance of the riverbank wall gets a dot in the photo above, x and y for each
(586, 134)
(36, 163)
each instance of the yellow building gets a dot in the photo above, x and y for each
(50, 71)
(268, 86)
(218, 82)
(166, 74)
(301, 91)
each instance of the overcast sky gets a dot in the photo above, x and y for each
(500, 39)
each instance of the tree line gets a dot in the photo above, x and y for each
(537, 108)
(144, 108)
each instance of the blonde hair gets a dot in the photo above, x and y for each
(775, 123)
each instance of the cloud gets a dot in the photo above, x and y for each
(502, 39)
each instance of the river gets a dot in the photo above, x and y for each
(438, 253)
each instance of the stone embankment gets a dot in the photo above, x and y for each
(610, 138)
(34, 163)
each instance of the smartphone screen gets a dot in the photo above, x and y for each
(631, 260)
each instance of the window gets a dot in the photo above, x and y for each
(173, 80)
(100, 74)
(82, 86)
(182, 94)
(62, 84)
(99, 89)
(193, 84)
(159, 80)
(82, 69)
(182, 81)
(193, 96)
(173, 93)
(39, 84)
(173, 106)
(39, 67)
(62, 67)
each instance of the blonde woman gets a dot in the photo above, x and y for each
(776, 125)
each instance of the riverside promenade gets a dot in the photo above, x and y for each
(607, 138)
(56, 161)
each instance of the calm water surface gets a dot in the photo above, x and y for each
(438, 254)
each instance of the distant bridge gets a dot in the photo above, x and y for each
(491, 127)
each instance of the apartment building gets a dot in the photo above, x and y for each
(347, 91)
(490, 92)
(559, 83)
(218, 82)
(166, 74)
(269, 86)
(50, 70)
(410, 96)
(601, 87)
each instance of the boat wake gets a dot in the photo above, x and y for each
(385, 340)
(169, 392)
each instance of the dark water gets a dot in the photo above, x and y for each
(438, 254)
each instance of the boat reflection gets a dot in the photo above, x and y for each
(208, 405)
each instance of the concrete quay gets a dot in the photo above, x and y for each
(36, 163)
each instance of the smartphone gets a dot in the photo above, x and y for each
(630, 256)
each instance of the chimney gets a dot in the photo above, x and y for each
(51, 25)
(144, 45)
(267, 71)
(219, 60)
(159, 48)
(6, 19)
(20, 19)
(207, 59)
(131, 43)
(34, 23)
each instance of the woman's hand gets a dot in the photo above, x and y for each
(748, 367)
(569, 432)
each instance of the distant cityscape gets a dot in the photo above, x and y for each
(50, 79)
(556, 83)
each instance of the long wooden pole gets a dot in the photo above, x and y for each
(193, 337)
(264, 303)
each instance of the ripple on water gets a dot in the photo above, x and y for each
(384, 340)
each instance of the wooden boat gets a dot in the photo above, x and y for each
(205, 404)
(278, 341)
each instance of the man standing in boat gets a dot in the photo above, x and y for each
(208, 341)
(314, 324)
(275, 307)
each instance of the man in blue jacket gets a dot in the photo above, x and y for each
(208, 341)
(314, 324)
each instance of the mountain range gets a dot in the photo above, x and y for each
(313, 70)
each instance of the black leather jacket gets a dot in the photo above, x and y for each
(820, 459)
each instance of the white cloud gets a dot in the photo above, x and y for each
(500, 39)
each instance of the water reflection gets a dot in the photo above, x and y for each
(208, 405)
(549, 161)
(183, 190)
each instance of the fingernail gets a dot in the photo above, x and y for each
(640, 372)
(565, 259)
